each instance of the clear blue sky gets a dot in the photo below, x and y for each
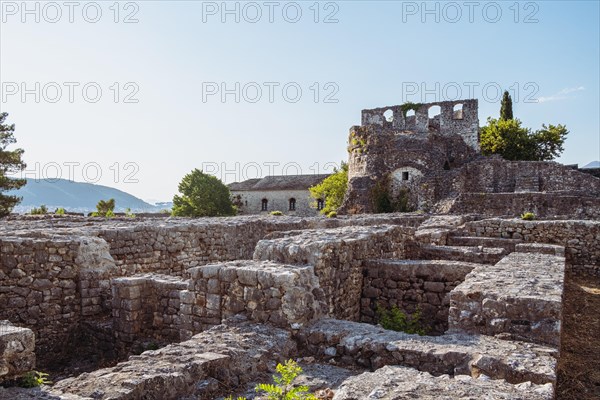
(372, 56)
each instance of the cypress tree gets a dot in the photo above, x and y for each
(506, 111)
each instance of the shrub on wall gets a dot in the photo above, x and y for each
(528, 216)
(396, 320)
(332, 190)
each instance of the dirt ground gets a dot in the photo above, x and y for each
(579, 364)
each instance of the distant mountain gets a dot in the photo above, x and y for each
(75, 196)
(593, 164)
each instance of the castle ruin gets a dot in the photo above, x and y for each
(153, 308)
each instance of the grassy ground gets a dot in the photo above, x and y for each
(579, 365)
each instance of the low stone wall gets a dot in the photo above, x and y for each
(337, 256)
(17, 355)
(355, 344)
(209, 365)
(286, 296)
(520, 297)
(410, 285)
(41, 287)
(147, 307)
(544, 205)
(401, 383)
(167, 309)
(173, 249)
(581, 239)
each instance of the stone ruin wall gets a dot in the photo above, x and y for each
(375, 153)
(581, 239)
(449, 175)
(338, 257)
(465, 123)
(423, 286)
(326, 271)
(49, 285)
(59, 284)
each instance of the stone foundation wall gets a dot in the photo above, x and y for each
(410, 285)
(146, 307)
(372, 347)
(208, 366)
(581, 239)
(286, 296)
(337, 256)
(17, 347)
(41, 288)
(167, 309)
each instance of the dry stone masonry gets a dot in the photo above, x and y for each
(223, 300)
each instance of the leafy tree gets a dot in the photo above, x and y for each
(331, 190)
(506, 111)
(105, 208)
(202, 195)
(10, 162)
(506, 137)
(549, 141)
(515, 142)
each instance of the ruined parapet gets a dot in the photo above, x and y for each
(17, 347)
(458, 117)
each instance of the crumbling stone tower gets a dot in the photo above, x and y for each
(401, 148)
(431, 161)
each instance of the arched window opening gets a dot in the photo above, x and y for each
(388, 115)
(264, 205)
(292, 202)
(434, 111)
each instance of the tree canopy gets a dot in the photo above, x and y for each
(507, 137)
(10, 162)
(331, 190)
(202, 195)
(512, 141)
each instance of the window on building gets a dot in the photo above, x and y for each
(292, 204)
(320, 204)
(405, 175)
(264, 205)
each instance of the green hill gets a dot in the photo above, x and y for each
(74, 196)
